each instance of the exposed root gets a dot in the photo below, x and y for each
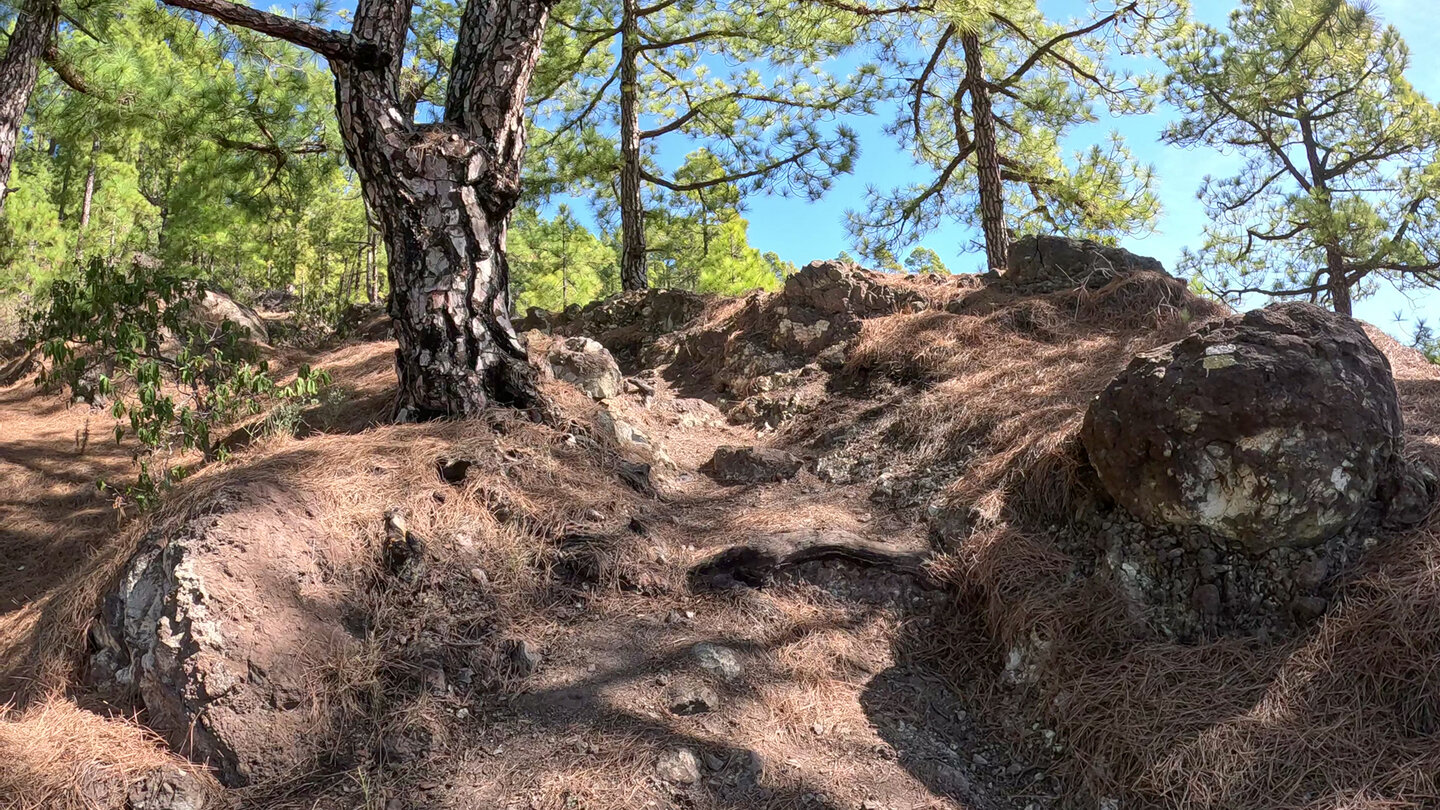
(755, 564)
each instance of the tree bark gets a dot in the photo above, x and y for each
(633, 275)
(19, 68)
(440, 193)
(987, 156)
(372, 281)
(1337, 281)
(1336, 277)
(86, 200)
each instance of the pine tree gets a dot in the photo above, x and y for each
(441, 192)
(1342, 155)
(633, 76)
(557, 262)
(34, 23)
(989, 91)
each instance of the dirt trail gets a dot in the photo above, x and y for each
(830, 709)
(52, 515)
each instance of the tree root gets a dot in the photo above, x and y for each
(755, 564)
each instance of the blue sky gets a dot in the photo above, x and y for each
(800, 231)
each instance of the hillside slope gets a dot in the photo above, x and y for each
(540, 630)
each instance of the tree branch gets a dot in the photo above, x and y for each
(324, 41)
(1055, 41)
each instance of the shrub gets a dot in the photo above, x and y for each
(172, 378)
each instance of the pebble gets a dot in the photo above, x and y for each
(680, 766)
(717, 660)
(694, 700)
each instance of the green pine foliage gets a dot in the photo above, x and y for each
(213, 152)
(1045, 77)
(1341, 178)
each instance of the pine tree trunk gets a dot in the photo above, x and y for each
(372, 282)
(441, 194)
(85, 202)
(987, 157)
(632, 215)
(1336, 282)
(19, 68)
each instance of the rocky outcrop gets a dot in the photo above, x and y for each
(219, 625)
(752, 465)
(1277, 428)
(823, 304)
(625, 323)
(587, 365)
(1050, 263)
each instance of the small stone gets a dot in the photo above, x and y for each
(713, 761)
(1308, 576)
(1308, 608)
(680, 766)
(433, 678)
(523, 658)
(462, 713)
(694, 700)
(1205, 600)
(479, 575)
(717, 660)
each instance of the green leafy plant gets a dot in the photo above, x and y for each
(172, 376)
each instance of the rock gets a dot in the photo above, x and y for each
(214, 625)
(1308, 608)
(523, 658)
(1274, 428)
(620, 431)
(1409, 497)
(588, 366)
(1057, 262)
(688, 700)
(216, 306)
(722, 662)
(680, 766)
(822, 305)
(169, 789)
(1206, 600)
(751, 465)
(1309, 575)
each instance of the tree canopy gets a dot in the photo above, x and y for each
(209, 136)
(1342, 154)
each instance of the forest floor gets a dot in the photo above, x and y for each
(830, 708)
(554, 650)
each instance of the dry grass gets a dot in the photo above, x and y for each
(59, 757)
(1000, 383)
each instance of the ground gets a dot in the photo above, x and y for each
(537, 658)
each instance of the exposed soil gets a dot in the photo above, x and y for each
(518, 627)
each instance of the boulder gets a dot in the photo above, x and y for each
(1280, 427)
(215, 306)
(823, 304)
(588, 366)
(218, 625)
(752, 465)
(1057, 262)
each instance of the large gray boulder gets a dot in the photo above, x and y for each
(1058, 262)
(215, 306)
(218, 627)
(587, 365)
(1279, 427)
